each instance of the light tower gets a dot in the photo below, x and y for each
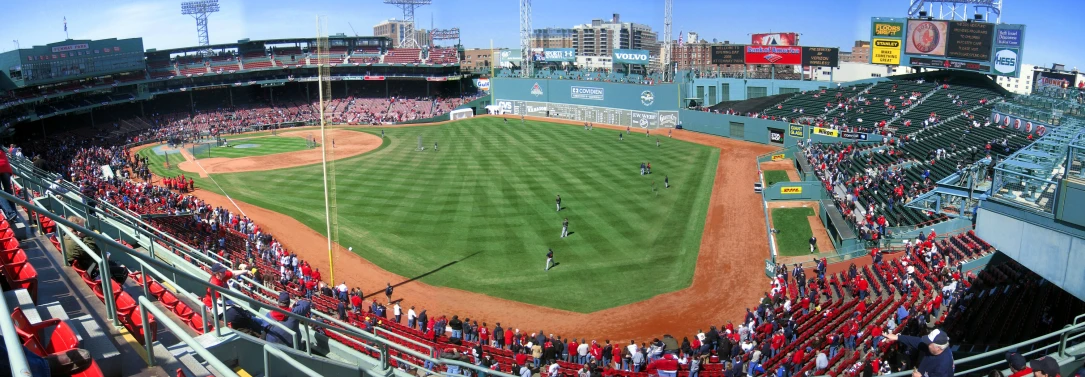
(199, 10)
(956, 10)
(407, 39)
(526, 66)
(665, 55)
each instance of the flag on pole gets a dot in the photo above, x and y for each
(679, 39)
(65, 24)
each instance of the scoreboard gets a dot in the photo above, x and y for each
(961, 45)
(593, 114)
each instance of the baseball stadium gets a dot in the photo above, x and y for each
(601, 200)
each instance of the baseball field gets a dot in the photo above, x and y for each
(465, 230)
(479, 213)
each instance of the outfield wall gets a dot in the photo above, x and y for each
(755, 129)
(643, 106)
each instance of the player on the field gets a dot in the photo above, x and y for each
(565, 228)
(549, 259)
(559, 203)
(666, 182)
(435, 146)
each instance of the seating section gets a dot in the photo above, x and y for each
(403, 56)
(443, 56)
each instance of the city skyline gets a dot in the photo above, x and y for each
(162, 26)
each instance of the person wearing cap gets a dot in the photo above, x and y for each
(1044, 367)
(276, 334)
(1017, 364)
(934, 361)
(220, 275)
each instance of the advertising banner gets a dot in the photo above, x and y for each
(885, 51)
(536, 109)
(585, 92)
(820, 56)
(778, 157)
(559, 54)
(776, 136)
(627, 56)
(728, 54)
(1008, 37)
(1005, 62)
(948, 64)
(1062, 80)
(791, 190)
(926, 37)
(786, 55)
(774, 39)
(824, 132)
(643, 119)
(482, 84)
(509, 58)
(853, 135)
(888, 29)
(668, 119)
(795, 130)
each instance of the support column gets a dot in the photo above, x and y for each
(191, 102)
(231, 91)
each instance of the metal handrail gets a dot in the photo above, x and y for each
(270, 350)
(161, 268)
(16, 356)
(145, 305)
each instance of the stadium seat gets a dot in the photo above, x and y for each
(24, 276)
(169, 300)
(134, 323)
(9, 244)
(125, 304)
(12, 256)
(62, 339)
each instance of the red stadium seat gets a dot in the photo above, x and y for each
(196, 322)
(24, 276)
(134, 323)
(125, 304)
(92, 371)
(62, 339)
(9, 244)
(13, 256)
(156, 289)
(169, 300)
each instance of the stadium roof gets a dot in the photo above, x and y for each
(258, 42)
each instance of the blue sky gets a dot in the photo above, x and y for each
(1050, 37)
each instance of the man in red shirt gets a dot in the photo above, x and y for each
(1018, 365)
(316, 274)
(666, 366)
(356, 302)
(306, 272)
(219, 276)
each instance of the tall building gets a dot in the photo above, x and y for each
(394, 29)
(860, 53)
(552, 38)
(476, 59)
(698, 56)
(602, 37)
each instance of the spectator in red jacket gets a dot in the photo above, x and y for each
(5, 178)
(666, 366)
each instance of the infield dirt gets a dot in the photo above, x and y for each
(728, 278)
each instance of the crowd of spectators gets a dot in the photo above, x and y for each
(779, 336)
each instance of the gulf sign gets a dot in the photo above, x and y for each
(785, 55)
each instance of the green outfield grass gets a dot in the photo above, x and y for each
(794, 230)
(267, 145)
(773, 176)
(479, 214)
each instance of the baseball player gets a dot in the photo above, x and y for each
(626, 129)
(657, 142)
(521, 119)
(382, 134)
(666, 182)
(506, 121)
(435, 146)
(620, 136)
(813, 244)
(647, 134)
(565, 228)
(559, 203)
(549, 259)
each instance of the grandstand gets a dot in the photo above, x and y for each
(960, 222)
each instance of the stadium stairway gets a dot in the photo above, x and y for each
(62, 295)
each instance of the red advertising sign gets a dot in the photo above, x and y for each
(373, 78)
(785, 55)
(775, 39)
